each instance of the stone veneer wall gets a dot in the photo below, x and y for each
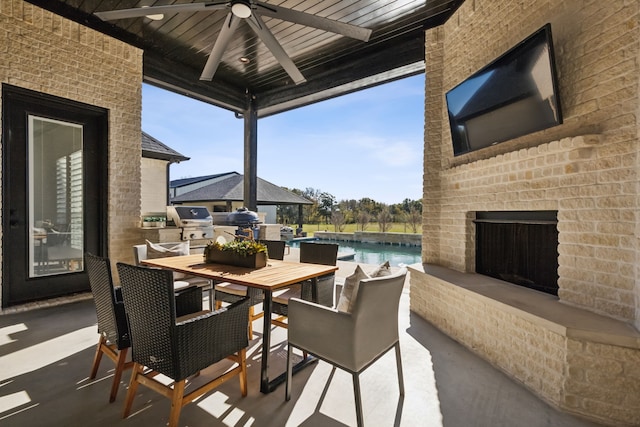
(44, 52)
(400, 239)
(586, 169)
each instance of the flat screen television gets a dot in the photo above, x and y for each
(514, 95)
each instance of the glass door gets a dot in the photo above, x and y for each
(54, 194)
(56, 242)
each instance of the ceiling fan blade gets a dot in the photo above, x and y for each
(270, 41)
(314, 21)
(137, 12)
(229, 26)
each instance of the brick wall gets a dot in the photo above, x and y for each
(585, 169)
(47, 53)
(580, 364)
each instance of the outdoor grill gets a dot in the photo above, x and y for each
(195, 222)
(244, 219)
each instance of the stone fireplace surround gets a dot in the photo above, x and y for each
(579, 351)
(576, 359)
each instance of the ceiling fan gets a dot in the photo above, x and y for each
(250, 11)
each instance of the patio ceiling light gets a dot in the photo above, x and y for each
(241, 8)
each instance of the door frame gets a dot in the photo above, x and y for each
(24, 102)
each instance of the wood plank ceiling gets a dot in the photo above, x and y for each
(176, 48)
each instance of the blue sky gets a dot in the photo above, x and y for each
(365, 144)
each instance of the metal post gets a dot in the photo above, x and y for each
(251, 154)
(300, 215)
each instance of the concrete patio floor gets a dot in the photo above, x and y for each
(46, 355)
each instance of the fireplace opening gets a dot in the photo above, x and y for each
(519, 247)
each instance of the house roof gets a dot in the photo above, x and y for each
(177, 183)
(177, 48)
(154, 149)
(231, 189)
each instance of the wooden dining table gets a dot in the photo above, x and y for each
(276, 275)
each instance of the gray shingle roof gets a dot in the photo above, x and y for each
(154, 149)
(232, 189)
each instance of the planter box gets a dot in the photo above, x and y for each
(258, 260)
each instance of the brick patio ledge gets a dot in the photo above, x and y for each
(540, 308)
(582, 362)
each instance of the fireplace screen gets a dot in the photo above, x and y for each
(519, 247)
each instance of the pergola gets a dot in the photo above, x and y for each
(250, 81)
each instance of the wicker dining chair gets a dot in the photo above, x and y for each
(226, 292)
(351, 340)
(178, 348)
(314, 253)
(113, 326)
(180, 281)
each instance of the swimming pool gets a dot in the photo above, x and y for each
(372, 253)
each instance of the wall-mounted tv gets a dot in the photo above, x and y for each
(515, 95)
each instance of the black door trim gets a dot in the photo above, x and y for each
(18, 103)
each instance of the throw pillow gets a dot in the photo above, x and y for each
(350, 290)
(382, 270)
(155, 250)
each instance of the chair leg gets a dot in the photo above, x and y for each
(243, 371)
(287, 392)
(133, 386)
(120, 367)
(176, 403)
(358, 399)
(98, 357)
(251, 314)
(399, 365)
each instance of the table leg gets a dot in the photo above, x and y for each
(267, 386)
(266, 342)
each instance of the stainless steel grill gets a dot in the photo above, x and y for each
(195, 222)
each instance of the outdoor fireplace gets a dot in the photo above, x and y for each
(520, 247)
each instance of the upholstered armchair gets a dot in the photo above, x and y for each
(351, 340)
(314, 253)
(178, 347)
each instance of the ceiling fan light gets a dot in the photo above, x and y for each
(241, 9)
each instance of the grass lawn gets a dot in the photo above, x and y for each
(396, 227)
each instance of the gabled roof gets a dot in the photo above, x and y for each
(177, 183)
(231, 189)
(154, 149)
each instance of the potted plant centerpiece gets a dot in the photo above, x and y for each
(242, 253)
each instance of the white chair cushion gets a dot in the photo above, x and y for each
(231, 288)
(283, 296)
(179, 284)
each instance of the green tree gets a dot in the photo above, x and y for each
(326, 202)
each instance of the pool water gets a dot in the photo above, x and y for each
(372, 253)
